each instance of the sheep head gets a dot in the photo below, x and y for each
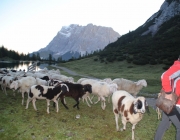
(142, 82)
(14, 85)
(139, 105)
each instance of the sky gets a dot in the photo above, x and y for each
(29, 25)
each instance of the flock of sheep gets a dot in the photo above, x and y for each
(51, 85)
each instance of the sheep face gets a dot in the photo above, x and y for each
(87, 88)
(113, 87)
(14, 85)
(140, 105)
(142, 82)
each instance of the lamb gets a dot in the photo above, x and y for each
(24, 85)
(130, 108)
(49, 93)
(130, 86)
(76, 91)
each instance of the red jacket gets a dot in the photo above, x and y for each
(168, 78)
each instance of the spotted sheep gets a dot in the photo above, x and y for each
(130, 108)
(50, 93)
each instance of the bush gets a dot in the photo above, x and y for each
(153, 62)
(141, 62)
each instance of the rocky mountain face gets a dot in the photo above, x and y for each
(169, 9)
(75, 40)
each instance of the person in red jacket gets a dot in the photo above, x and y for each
(170, 80)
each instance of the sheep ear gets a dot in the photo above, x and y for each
(138, 82)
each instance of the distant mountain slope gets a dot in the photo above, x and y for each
(168, 10)
(157, 41)
(76, 40)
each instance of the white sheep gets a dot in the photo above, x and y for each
(6, 82)
(41, 82)
(29, 73)
(130, 86)
(61, 77)
(49, 93)
(57, 71)
(130, 108)
(80, 80)
(102, 90)
(23, 85)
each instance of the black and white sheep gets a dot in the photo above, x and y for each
(130, 86)
(50, 93)
(76, 91)
(130, 108)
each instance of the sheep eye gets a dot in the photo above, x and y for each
(139, 104)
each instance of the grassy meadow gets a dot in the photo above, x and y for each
(119, 69)
(17, 123)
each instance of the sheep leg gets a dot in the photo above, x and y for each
(22, 98)
(103, 103)
(48, 104)
(98, 100)
(57, 106)
(77, 100)
(124, 125)
(34, 104)
(62, 101)
(109, 98)
(14, 94)
(5, 90)
(65, 101)
(90, 99)
(133, 128)
(27, 104)
(87, 102)
(116, 114)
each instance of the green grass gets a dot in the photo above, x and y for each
(17, 123)
(119, 69)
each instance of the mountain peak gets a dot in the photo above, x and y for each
(77, 39)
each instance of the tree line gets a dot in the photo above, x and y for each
(11, 54)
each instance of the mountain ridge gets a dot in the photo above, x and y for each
(77, 41)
